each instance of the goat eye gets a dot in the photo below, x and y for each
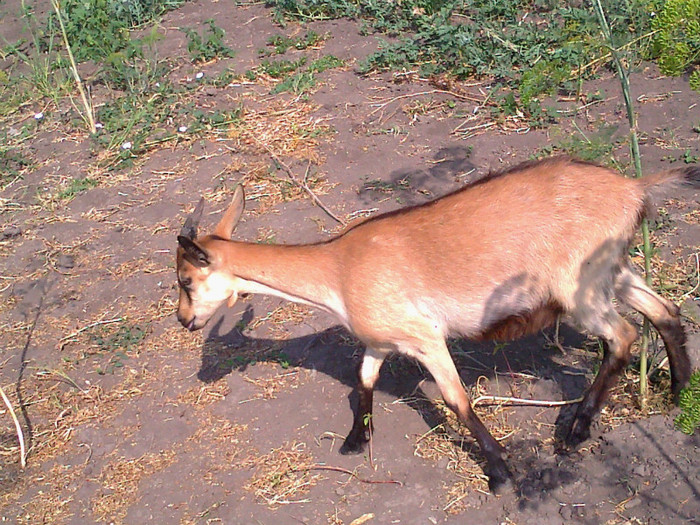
(185, 283)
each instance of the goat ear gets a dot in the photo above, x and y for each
(189, 229)
(232, 215)
(194, 254)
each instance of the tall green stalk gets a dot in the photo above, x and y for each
(89, 114)
(636, 157)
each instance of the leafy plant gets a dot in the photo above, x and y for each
(324, 63)
(677, 39)
(282, 43)
(279, 68)
(594, 147)
(75, 187)
(689, 401)
(12, 163)
(98, 28)
(136, 68)
(117, 344)
(208, 45)
(126, 337)
(532, 48)
(47, 76)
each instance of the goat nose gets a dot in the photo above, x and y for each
(187, 323)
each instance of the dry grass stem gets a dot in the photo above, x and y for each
(18, 428)
(505, 400)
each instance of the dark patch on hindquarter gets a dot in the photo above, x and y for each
(522, 324)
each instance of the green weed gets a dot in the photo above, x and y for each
(98, 28)
(278, 68)
(689, 401)
(117, 344)
(595, 147)
(677, 39)
(47, 76)
(324, 63)
(135, 68)
(282, 43)
(533, 48)
(297, 83)
(208, 45)
(75, 187)
(12, 163)
(300, 81)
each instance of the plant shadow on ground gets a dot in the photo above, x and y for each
(337, 354)
(411, 186)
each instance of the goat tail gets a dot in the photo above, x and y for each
(689, 175)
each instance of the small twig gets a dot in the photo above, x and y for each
(382, 105)
(697, 273)
(65, 339)
(292, 177)
(20, 434)
(494, 400)
(349, 473)
(661, 364)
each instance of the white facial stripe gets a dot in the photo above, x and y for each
(210, 293)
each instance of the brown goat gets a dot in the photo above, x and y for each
(498, 259)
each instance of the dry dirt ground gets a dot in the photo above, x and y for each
(131, 419)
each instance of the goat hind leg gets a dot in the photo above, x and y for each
(618, 336)
(665, 316)
(368, 374)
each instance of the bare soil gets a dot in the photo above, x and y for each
(129, 418)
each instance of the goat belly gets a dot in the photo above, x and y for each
(522, 324)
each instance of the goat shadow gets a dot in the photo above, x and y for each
(336, 353)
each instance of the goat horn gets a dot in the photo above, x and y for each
(189, 229)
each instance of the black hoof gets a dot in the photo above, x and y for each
(500, 478)
(352, 446)
(580, 431)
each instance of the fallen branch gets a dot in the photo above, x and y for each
(293, 178)
(349, 473)
(381, 105)
(20, 434)
(499, 400)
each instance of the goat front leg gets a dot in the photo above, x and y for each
(368, 373)
(436, 358)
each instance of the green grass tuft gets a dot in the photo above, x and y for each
(689, 401)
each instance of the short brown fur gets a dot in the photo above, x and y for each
(498, 259)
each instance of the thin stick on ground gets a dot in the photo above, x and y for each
(502, 400)
(349, 473)
(18, 427)
(293, 178)
(381, 105)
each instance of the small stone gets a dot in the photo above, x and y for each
(11, 231)
(640, 470)
(566, 512)
(633, 503)
(65, 261)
